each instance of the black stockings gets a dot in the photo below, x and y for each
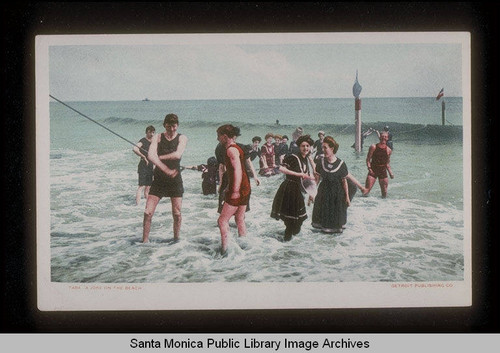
(292, 228)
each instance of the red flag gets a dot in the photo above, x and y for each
(440, 94)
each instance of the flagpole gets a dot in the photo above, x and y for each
(443, 115)
(443, 106)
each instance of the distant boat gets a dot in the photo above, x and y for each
(145, 100)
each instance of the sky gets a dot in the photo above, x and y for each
(111, 68)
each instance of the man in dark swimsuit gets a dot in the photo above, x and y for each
(145, 168)
(166, 152)
(378, 163)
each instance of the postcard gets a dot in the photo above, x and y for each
(385, 221)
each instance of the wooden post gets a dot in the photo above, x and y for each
(357, 120)
(443, 115)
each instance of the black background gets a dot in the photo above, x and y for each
(21, 22)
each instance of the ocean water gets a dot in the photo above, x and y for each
(416, 234)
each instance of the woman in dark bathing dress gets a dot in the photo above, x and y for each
(288, 204)
(334, 192)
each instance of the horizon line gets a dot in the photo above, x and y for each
(146, 99)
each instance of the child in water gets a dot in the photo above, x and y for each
(210, 175)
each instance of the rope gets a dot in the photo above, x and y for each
(348, 126)
(104, 127)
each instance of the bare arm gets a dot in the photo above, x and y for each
(369, 132)
(317, 176)
(369, 158)
(252, 168)
(177, 154)
(285, 170)
(346, 191)
(234, 159)
(153, 157)
(355, 181)
(389, 152)
(137, 150)
(222, 169)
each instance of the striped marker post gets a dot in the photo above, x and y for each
(357, 120)
(356, 91)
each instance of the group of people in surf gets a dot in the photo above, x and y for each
(310, 167)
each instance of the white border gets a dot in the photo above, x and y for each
(171, 296)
